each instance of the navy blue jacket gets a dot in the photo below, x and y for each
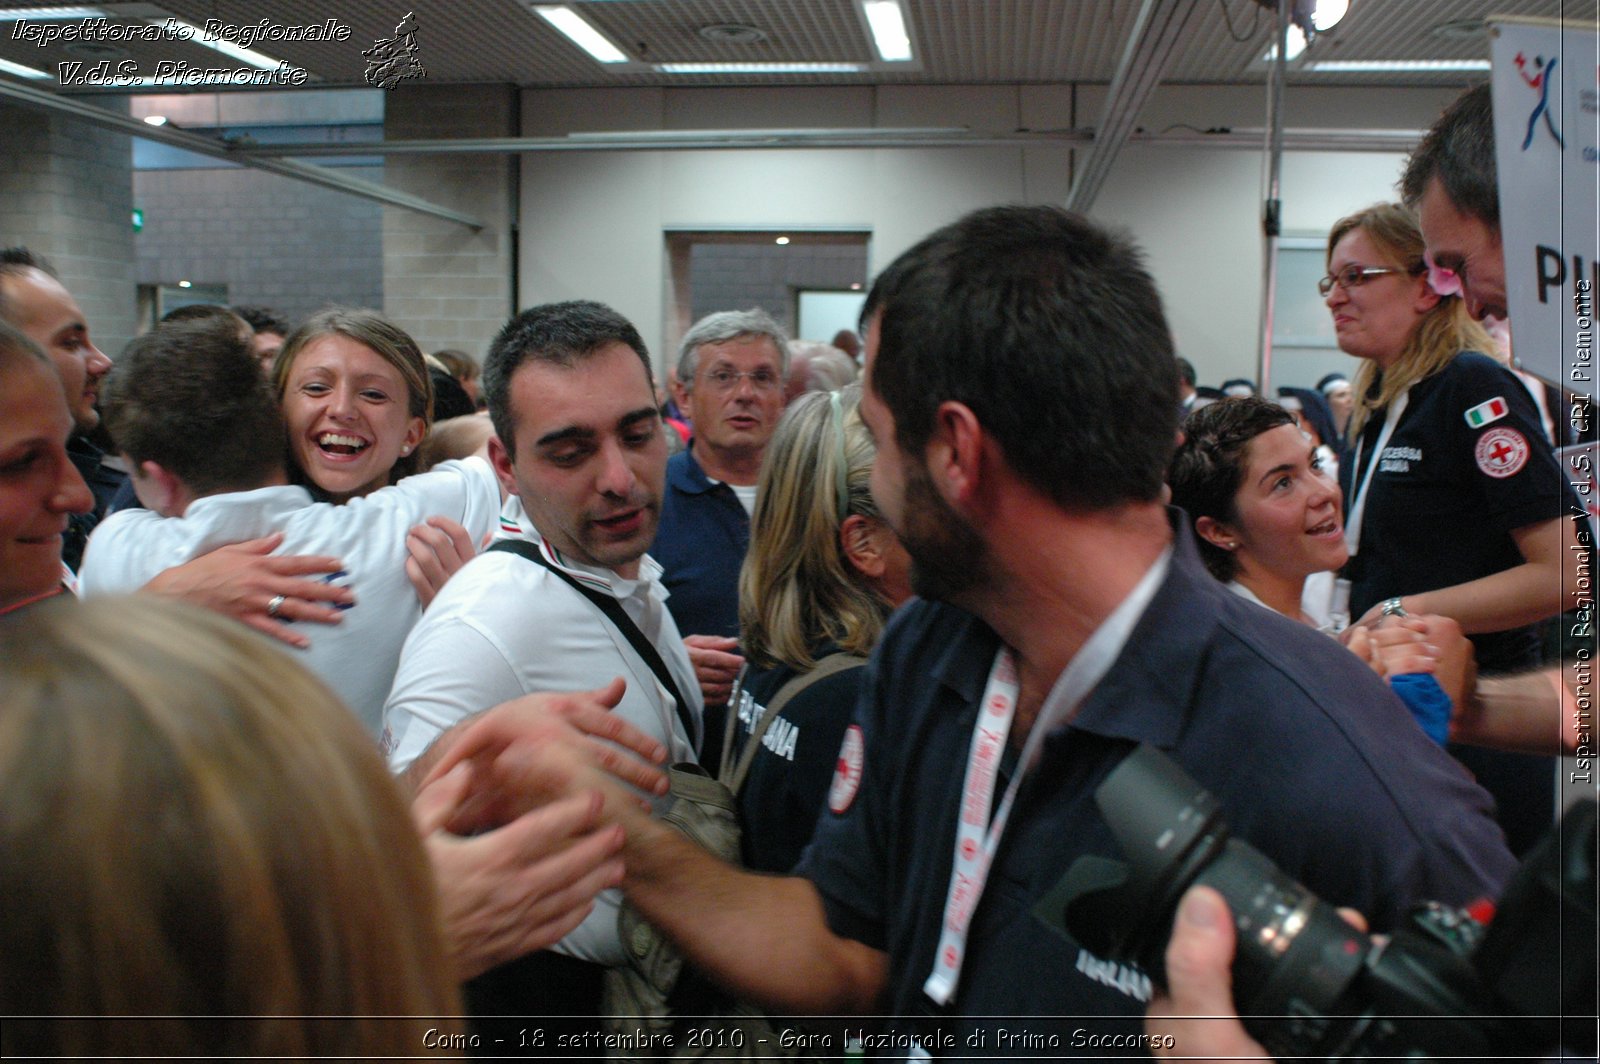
(1314, 761)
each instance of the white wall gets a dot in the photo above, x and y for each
(593, 223)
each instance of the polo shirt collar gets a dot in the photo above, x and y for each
(1147, 694)
(687, 476)
(516, 524)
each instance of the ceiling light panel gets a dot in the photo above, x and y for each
(49, 14)
(890, 34)
(582, 33)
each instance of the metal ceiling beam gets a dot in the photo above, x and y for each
(1151, 46)
(177, 138)
(1238, 139)
(685, 140)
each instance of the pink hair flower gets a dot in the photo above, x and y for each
(1444, 282)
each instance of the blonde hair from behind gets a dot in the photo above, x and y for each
(796, 588)
(200, 839)
(1444, 332)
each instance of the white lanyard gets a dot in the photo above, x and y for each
(977, 837)
(1358, 495)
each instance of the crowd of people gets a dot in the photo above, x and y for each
(778, 690)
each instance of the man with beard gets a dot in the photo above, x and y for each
(580, 451)
(1021, 393)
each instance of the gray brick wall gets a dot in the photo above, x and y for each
(272, 240)
(66, 192)
(445, 284)
(726, 276)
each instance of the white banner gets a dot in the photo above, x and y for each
(1547, 147)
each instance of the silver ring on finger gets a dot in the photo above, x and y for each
(275, 605)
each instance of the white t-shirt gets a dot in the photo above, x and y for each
(356, 657)
(746, 494)
(504, 627)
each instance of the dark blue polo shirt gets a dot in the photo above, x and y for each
(1315, 763)
(700, 544)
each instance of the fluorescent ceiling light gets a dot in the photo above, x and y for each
(1297, 44)
(155, 120)
(759, 68)
(578, 30)
(259, 60)
(1391, 66)
(23, 71)
(889, 34)
(49, 14)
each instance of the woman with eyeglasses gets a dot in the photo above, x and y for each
(1454, 504)
(823, 572)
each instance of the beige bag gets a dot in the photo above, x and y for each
(647, 1005)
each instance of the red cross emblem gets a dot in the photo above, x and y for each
(1501, 452)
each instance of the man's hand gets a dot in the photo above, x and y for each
(435, 550)
(520, 887)
(245, 580)
(716, 665)
(532, 746)
(1197, 1016)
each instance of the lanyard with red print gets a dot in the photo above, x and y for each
(977, 837)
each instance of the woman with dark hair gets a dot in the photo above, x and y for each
(1267, 519)
(1266, 515)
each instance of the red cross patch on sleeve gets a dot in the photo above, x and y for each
(1501, 452)
(847, 772)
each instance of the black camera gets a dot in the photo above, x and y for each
(1309, 985)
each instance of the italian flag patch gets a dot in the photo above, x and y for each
(1487, 413)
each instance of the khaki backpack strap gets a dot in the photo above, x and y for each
(836, 662)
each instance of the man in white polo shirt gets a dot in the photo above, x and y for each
(580, 449)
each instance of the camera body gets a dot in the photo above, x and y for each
(1309, 985)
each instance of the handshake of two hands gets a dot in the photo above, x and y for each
(518, 810)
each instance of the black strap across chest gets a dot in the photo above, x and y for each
(619, 617)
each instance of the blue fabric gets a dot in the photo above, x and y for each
(1312, 759)
(1428, 703)
(700, 544)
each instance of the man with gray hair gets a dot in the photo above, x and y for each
(729, 381)
(817, 367)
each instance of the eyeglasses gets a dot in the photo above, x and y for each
(726, 380)
(1353, 277)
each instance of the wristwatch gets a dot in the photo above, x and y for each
(1392, 608)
